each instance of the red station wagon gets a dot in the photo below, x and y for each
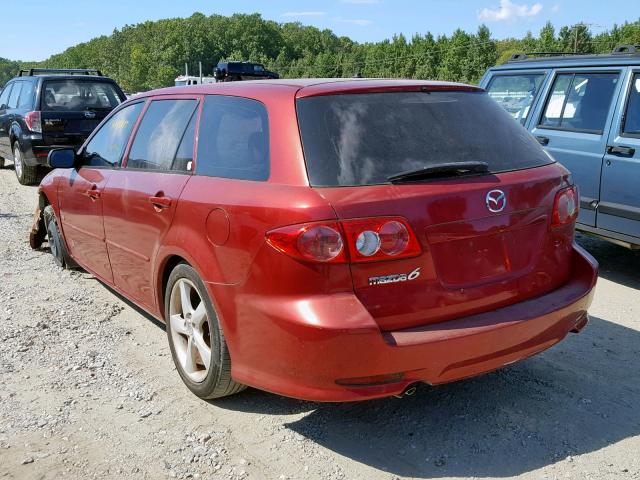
(330, 240)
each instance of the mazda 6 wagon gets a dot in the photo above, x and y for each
(329, 240)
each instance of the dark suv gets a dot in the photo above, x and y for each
(41, 109)
(235, 71)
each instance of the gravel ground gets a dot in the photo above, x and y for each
(88, 390)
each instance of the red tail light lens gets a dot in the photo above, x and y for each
(321, 243)
(367, 240)
(392, 238)
(34, 121)
(565, 207)
(318, 242)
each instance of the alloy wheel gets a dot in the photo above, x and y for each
(17, 161)
(190, 330)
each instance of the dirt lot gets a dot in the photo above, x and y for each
(88, 390)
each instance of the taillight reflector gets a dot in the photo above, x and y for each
(355, 241)
(565, 207)
(34, 121)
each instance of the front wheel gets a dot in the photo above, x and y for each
(27, 174)
(196, 340)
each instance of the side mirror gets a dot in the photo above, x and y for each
(61, 158)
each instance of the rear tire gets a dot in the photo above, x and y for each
(195, 333)
(26, 174)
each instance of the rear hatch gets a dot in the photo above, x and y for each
(485, 235)
(71, 108)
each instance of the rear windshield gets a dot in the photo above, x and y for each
(70, 95)
(361, 139)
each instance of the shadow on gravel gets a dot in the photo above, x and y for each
(617, 263)
(577, 398)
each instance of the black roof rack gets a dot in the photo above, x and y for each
(619, 50)
(59, 71)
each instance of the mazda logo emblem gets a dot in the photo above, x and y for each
(496, 201)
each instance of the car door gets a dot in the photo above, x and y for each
(574, 123)
(619, 207)
(5, 121)
(140, 199)
(80, 195)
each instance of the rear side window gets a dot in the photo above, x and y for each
(27, 95)
(160, 133)
(15, 94)
(632, 114)
(4, 97)
(234, 139)
(580, 102)
(515, 93)
(362, 139)
(106, 147)
(74, 95)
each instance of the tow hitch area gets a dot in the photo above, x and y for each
(38, 233)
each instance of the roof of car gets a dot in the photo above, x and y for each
(558, 61)
(304, 87)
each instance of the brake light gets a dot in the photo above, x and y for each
(34, 121)
(565, 207)
(357, 240)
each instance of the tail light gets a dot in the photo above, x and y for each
(34, 121)
(565, 207)
(355, 241)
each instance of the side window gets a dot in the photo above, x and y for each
(184, 156)
(234, 139)
(15, 95)
(106, 147)
(516, 93)
(632, 114)
(580, 101)
(160, 133)
(27, 99)
(4, 96)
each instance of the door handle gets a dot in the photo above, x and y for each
(542, 140)
(93, 193)
(160, 202)
(620, 151)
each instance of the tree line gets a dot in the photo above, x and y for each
(151, 54)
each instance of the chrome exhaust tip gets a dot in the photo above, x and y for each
(407, 392)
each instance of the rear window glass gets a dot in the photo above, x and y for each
(362, 139)
(70, 95)
(515, 93)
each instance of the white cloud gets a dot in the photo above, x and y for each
(361, 2)
(509, 11)
(555, 8)
(304, 14)
(361, 22)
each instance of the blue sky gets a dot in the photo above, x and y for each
(40, 28)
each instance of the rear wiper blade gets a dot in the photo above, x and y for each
(440, 170)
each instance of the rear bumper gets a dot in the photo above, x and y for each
(304, 346)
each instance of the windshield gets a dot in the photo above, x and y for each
(180, 83)
(362, 139)
(70, 95)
